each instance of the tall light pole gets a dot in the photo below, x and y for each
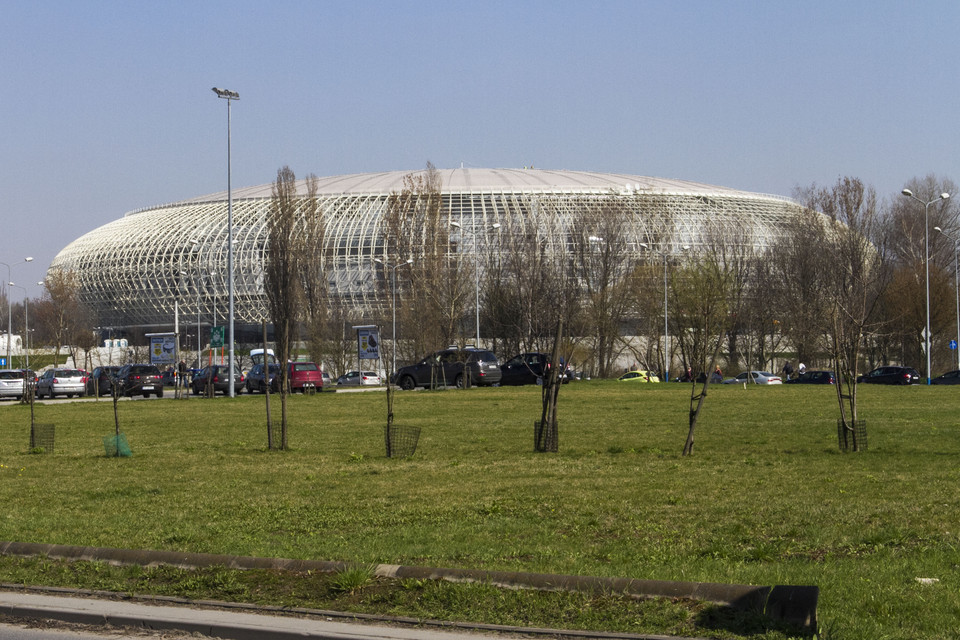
(394, 284)
(10, 307)
(926, 260)
(956, 284)
(476, 266)
(666, 315)
(229, 96)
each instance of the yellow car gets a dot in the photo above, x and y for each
(639, 376)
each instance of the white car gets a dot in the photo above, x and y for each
(356, 378)
(11, 383)
(755, 377)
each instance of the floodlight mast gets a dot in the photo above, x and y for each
(926, 244)
(229, 96)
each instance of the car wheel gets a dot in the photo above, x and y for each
(160, 393)
(407, 383)
(458, 381)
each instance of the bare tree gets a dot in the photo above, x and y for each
(58, 311)
(436, 291)
(282, 281)
(604, 269)
(854, 283)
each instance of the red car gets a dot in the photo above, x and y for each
(304, 375)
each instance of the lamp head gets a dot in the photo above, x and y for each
(907, 193)
(944, 196)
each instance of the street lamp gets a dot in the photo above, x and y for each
(26, 319)
(666, 327)
(476, 265)
(394, 275)
(229, 96)
(10, 307)
(926, 245)
(956, 284)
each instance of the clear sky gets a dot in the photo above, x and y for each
(106, 106)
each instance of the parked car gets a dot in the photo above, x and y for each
(755, 377)
(814, 377)
(304, 375)
(529, 368)
(451, 366)
(12, 383)
(216, 375)
(101, 380)
(639, 375)
(890, 375)
(60, 382)
(327, 381)
(950, 377)
(359, 378)
(139, 379)
(256, 379)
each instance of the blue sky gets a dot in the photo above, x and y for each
(106, 106)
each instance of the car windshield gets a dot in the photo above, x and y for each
(10, 375)
(68, 373)
(304, 366)
(482, 356)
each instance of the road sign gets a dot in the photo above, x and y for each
(953, 345)
(3, 362)
(216, 337)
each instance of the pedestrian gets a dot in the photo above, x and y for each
(717, 375)
(787, 370)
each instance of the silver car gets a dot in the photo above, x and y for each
(358, 378)
(755, 377)
(61, 382)
(11, 383)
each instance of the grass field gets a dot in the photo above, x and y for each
(767, 498)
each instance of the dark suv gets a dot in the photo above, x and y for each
(529, 368)
(891, 375)
(451, 366)
(139, 379)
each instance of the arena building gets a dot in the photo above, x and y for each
(134, 270)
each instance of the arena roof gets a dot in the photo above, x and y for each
(497, 180)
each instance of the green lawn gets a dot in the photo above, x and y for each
(767, 498)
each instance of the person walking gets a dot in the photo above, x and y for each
(787, 370)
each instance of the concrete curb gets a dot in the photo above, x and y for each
(793, 604)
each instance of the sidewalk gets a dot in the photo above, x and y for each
(245, 624)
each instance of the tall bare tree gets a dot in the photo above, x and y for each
(604, 269)
(282, 282)
(59, 310)
(854, 284)
(436, 290)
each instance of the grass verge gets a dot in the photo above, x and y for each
(767, 498)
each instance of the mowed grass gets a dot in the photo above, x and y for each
(766, 499)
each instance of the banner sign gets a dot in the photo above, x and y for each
(216, 337)
(163, 350)
(368, 344)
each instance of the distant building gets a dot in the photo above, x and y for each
(133, 270)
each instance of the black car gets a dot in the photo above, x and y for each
(101, 380)
(891, 375)
(451, 366)
(529, 368)
(256, 380)
(814, 377)
(950, 377)
(139, 379)
(216, 377)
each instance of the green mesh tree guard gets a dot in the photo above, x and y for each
(117, 446)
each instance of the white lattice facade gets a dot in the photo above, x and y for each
(133, 270)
